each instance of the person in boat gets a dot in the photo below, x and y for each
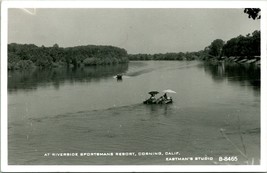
(160, 99)
(165, 96)
(152, 98)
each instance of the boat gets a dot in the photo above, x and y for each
(162, 100)
(157, 101)
(119, 76)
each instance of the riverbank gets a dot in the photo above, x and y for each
(256, 60)
(245, 60)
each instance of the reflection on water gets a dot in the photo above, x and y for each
(31, 79)
(243, 74)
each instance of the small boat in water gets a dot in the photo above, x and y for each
(150, 102)
(119, 76)
(161, 100)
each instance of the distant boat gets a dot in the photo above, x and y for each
(119, 76)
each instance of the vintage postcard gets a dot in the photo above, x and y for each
(143, 86)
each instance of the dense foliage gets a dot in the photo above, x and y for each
(25, 56)
(248, 45)
(241, 46)
(215, 49)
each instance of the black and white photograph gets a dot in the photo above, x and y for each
(133, 86)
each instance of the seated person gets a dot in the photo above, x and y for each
(160, 100)
(165, 96)
(152, 98)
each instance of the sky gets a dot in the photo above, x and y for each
(136, 30)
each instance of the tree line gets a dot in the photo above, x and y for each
(167, 56)
(26, 56)
(240, 46)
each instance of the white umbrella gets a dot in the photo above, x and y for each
(168, 91)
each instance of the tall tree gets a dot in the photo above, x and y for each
(215, 49)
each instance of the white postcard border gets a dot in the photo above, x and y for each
(131, 4)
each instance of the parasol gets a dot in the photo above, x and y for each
(153, 92)
(168, 91)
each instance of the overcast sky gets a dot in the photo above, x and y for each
(136, 30)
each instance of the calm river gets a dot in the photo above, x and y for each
(215, 113)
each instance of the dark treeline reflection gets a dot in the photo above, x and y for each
(243, 74)
(31, 79)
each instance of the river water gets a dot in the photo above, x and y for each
(215, 113)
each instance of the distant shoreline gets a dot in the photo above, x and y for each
(28, 56)
(241, 49)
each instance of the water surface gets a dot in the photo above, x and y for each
(216, 112)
